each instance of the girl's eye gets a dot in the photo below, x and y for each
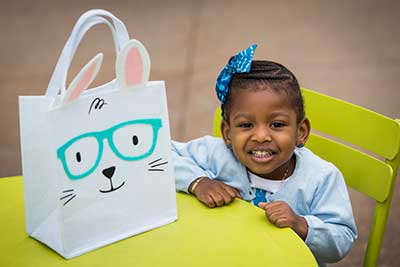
(245, 125)
(275, 125)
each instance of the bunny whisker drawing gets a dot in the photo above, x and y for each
(155, 164)
(67, 198)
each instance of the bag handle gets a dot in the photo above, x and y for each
(85, 22)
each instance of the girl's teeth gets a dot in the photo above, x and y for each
(261, 153)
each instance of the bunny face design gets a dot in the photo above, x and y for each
(130, 141)
(96, 154)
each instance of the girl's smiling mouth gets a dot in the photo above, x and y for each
(261, 155)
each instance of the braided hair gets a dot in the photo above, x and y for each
(266, 74)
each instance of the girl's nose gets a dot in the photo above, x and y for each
(261, 134)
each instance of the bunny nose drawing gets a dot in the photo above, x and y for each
(109, 173)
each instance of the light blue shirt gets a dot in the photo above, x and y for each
(316, 190)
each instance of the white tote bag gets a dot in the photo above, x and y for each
(96, 163)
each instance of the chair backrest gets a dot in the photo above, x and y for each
(363, 144)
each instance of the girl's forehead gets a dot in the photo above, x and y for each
(255, 96)
(261, 102)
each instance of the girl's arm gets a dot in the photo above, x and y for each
(192, 160)
(213, 193)
(282, 215)
(331, 227)
(196, 170)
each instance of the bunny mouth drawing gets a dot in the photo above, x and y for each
(108, 173)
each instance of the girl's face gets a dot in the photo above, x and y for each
(263, 131)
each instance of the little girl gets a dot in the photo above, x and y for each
(262, 159)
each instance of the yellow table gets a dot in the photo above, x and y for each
(234, 235)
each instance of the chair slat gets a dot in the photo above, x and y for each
(374, 181)
(352, 124)
(217, 123)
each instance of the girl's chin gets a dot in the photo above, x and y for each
(261, 167)
(260, 171)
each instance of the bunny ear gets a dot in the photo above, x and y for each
(133, 65)
(84, 78)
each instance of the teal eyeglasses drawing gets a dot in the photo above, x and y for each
(130, 140)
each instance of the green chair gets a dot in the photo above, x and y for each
(363, 144)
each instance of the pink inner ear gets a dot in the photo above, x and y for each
(83, 82)
(133, 67)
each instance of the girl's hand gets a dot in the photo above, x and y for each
(214, 193)
(280, 214)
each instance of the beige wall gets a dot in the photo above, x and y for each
(348, 49)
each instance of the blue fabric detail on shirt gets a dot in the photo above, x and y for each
(260, 196)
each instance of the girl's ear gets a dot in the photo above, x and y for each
(84, 78)
(303, 132)
(133, 65)
(225, 130)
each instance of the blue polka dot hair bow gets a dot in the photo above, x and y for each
(240, 63)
